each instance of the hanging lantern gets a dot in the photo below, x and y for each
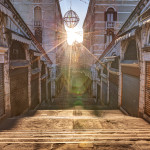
(71, 19)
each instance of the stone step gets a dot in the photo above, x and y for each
(70, 139)
(69, 136)
(80, 131)
(74, 136)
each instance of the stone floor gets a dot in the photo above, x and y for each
(73, 125)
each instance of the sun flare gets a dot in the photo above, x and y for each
(73, 36)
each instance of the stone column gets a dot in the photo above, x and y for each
(120, 87)
(46, 83)
(40, 66)
(122, 49)
(142, 88)
(101, 82)
(4, 58)
(108, 66)
(53, 83)
(29, 75)
(94, 87)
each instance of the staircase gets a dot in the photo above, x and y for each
(75, 136)
(73, 122)
(75, 129)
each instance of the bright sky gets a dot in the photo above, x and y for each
(81, 9)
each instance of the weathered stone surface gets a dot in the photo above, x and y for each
(86, 145)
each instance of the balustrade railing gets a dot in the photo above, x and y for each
(37, 23)
(4, 3)
(110, 24)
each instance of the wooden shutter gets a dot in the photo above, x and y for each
(105, 16)
(115, 16)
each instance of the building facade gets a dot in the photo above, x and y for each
(44, 19)
(103, 20)
(123, 68)
(25, 67)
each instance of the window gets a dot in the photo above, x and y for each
(115, 63)
(37, 16)
(17, 51)
(110, 15)
(131, 52)
(110, 18)
(34, 62)
(38, 23)
(105, 70)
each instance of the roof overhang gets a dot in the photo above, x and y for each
(5, 10)
(127, 34)
(21, 39)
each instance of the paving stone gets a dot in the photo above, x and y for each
(86, 145)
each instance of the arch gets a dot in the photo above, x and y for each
(115, 63)
(17, 51)
(131, 51)
(37, 16)
(110, 14)
(113, 54)
(112, 8)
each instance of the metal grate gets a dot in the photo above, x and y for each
(2, 102)
(147, 89)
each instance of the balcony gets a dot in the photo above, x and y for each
(37, 23)
(110, 24)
